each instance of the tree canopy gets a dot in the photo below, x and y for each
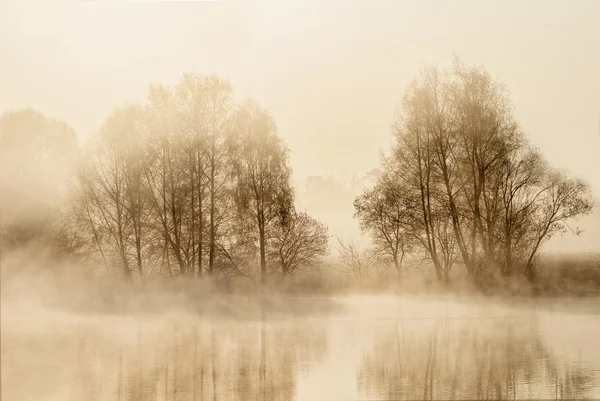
(462, 183)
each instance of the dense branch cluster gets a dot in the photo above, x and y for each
(462, 185)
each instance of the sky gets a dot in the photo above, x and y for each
(332, 72)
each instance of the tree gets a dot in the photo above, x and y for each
(471, 183)
(111, 185)
(38, 155)
(300, 242)
(194, 111)
(218, 93)
(186, 183)
(523, 174)
(170, 177)
(358, 262)
(413, 164)
(263, 192)
(382, 212)
(563, 199)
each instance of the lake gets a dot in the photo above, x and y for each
(339, 348)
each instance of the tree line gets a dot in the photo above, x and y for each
(462, 185)
(192, 182)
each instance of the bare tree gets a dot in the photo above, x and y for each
(219, 169)
(413, 164)
(564, 199)
(383, 213)
(104, 185)
(358, 262)
(85, 219)
(470, 181)
(300, 242)
(167, 179)
(130, 125)
(111, 186)
(264, 195)
(194, 109)
(522, 189)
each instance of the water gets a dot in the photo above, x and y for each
(364, 348)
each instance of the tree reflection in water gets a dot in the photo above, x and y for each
(243, 361)
(468, 359)
(262, 360)
(211, 361)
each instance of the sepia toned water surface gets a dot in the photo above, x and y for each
(364, 348)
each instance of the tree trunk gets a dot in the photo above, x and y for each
(397, 265)
(455, 221)
(211, 249)
(263, 253)
(200, 234)
(193, 217)
(200, 217)
(507, 253)
(447, 276)
(126, 268)
(166, 256)
(138, 250)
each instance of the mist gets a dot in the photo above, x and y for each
(291, 200)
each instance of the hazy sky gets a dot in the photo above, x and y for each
(331, 72)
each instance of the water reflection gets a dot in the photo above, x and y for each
(465, 359)
(189, 359)
(193, 361)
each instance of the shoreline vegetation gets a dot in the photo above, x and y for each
(190, 194)
(568, 280)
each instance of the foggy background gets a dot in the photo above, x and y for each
(332, 73)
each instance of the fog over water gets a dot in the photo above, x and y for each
(309, 200)
(356, 348)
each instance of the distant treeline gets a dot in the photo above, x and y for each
(192, 183)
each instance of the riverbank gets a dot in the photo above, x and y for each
(561, 282)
